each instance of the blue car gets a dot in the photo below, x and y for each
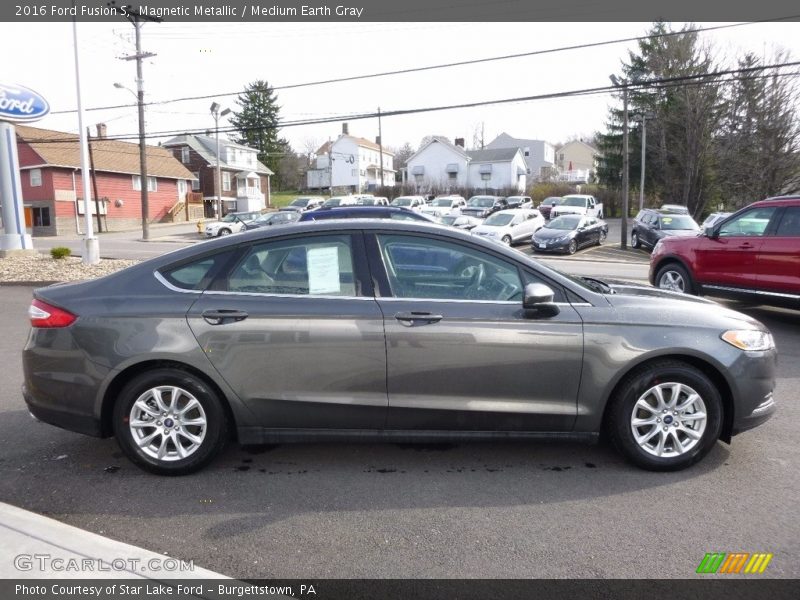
(365, 212)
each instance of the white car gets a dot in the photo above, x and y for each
(509, 226)
(444, 205)
(340, 201)
(231, 223)
(412, 202)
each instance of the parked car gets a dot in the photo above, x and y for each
(482, 206)
(406, 330)
(412, 202)
(548, 203)
(578, 204)
(397, 213)
(713, 219)
(273, 218)
(569, 234)
(675, 208)
(443, 205)
(519, 202)
(652, 225)
(510, 226)
(753, 254)
(460, 221)
(373, 201)
(304, 203)
(231, 223)
(340, 201)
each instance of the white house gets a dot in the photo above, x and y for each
(442, 166)
(540, 156)
(351, 162)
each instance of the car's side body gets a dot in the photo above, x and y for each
(365, 212)
(650, 226)
(586, 231)
(511, 225)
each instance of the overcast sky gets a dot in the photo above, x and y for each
(196, 59)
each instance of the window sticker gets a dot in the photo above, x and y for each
(323, 270)
(666, 220)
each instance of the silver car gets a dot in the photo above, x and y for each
(405, 331)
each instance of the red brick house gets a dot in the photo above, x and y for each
(245, 180)
(52, 186)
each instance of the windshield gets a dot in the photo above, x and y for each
(481, 201)
(442, 202)
(401, 201)
(332, 202)
(447, 220)
(678, 222)
(564, 223)
(301, 202)
(499, 220)
(573, 201)
(552, 201)
(229, 218)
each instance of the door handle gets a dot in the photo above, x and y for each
(222, 315)
(745, 246)
(414, 316)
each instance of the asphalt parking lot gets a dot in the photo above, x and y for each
(514, 510)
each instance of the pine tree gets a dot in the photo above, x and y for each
(257, 122)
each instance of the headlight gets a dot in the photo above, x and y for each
(749, 339)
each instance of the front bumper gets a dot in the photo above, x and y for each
(753, 375)
(550, 246)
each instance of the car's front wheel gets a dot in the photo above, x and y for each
(675, 278)
(601, 238)
(169, 422)
(635, 243)
(224, 231)
(507, 240)
(666, 416)
(573, 247)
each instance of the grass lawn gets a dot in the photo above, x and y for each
(280, 199)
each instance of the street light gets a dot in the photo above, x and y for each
(623, 83)
(215, 112)
(142, 150)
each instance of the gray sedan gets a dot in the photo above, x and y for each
(404, 331)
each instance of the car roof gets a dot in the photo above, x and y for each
(779, 201)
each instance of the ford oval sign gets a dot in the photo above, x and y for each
(20, 105)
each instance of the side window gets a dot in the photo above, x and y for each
(420, 267)
(196, 275)
(308, 266)
(790, 223)
(752, 223)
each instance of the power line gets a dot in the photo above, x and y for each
(447, 65)
(696, 79)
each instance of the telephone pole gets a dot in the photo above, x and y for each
(380, 143)
(136, 18)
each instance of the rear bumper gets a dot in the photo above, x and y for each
(80, 423)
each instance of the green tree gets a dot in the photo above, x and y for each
(257, 123)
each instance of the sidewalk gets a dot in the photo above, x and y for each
(37, 547)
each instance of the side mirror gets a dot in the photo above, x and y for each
(539, 297)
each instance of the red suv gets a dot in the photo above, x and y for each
(752, 254)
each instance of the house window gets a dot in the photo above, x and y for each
(41, 216)
(181, 188)
(527, 151)
(453, 176)
(36, 177)
(185, 154)
(353, 172)
(226, 181)
(152, 184)
(196, 181)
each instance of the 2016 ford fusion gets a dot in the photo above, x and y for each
(405, 332)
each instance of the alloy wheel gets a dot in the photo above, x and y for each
(668, 420)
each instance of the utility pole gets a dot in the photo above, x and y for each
(215, 112)
(644, 147)
(380, 143)
(624, 223)
(136, 19)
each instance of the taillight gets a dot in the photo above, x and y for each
(45, 316)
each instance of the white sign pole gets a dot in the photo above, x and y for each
(15, 236)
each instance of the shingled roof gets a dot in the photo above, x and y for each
(61, 149)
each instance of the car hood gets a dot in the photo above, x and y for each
(551, 234)
(573, 210)
(491, 229)
(675, 308)
(678, 232)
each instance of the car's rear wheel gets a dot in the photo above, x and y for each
(666, 416)
(573, 247)
(674, 277)
(169, 422)
(635, 243)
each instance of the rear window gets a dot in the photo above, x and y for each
(195, 275)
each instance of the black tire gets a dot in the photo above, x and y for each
(601, 238)
(224, 231)
(676, 278)
(215, 430)
(507, 240)
(621, 411)
(573, 247)
(635, 242)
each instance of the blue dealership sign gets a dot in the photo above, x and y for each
(19, 104)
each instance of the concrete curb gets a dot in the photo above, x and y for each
(94, 556)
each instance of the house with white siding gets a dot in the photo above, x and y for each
(540, 156)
